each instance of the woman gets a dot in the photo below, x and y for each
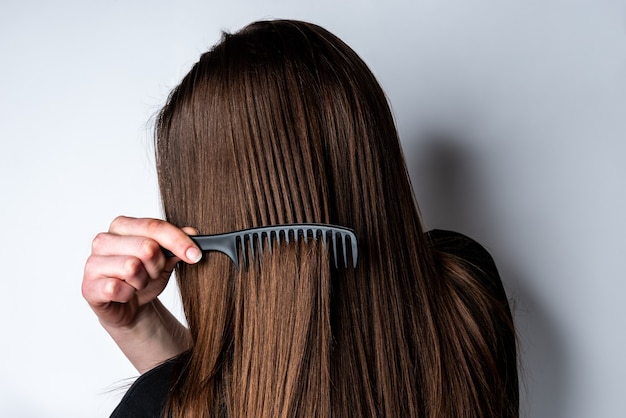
(283, 123)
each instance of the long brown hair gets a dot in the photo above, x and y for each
(282, 122)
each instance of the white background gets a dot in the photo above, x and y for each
(513, 119)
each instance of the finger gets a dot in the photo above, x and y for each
(189, 230)
(124, 268)
(145, 249)
(114, 301)
(100, 293)
(167, 235)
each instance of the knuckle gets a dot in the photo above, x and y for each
(98, 241)
(150, 249)
(180, 244)
(132, 267)
(88, 268)
(90, 271)
(111, 289)
(117, 222)
(85, 290)
(153, 226)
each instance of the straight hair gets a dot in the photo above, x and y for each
(282, 122)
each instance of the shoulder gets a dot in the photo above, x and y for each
(472, 255)
(457, 244)
(148, 394)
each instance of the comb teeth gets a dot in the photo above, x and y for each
(250, 242)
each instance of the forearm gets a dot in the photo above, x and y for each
(154, 337)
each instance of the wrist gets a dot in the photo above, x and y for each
(152, 338)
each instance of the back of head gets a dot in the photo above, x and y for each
(281, 123)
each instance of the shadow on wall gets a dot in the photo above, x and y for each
(446, 174)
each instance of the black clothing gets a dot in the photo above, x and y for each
(147, 396)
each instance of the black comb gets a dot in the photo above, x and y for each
(234, 244)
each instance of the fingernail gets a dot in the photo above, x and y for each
(194, 254)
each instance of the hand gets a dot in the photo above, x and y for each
(127, 270)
